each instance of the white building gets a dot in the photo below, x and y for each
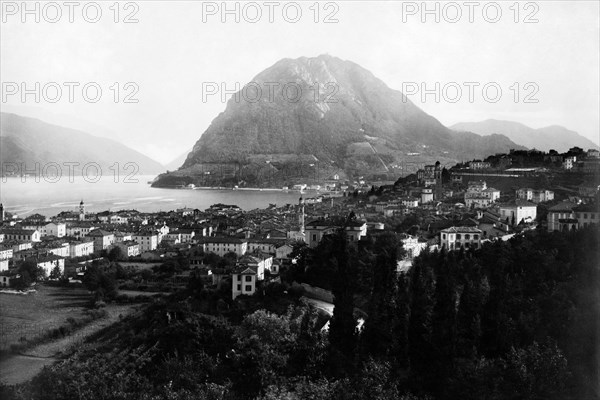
(102, 239)
(148, 241)
(58, 229)
(224, 245)
(30, 235)
(519, 211)
(317, 229)
(81, 249)
(455, 237)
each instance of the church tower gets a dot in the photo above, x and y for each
(1, 212)
(438, 181)
(81, 211)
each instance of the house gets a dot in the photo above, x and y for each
(265, 245)
(5, 280)
(30, 235)
(81, 248)
(412, 246)
(317, 229)
(283, 251)
(48, 263)
(80, 229)
(535, 196)
(457, 237)
(147, 240)
(224, 245)
(562, 211)
(102, 239)
(586, 214)
(426, 195)
(479, 195)
(58, 229)
(518, 211)
(123, 237)
(6, 252)
(243, 281)
(129, 248)
(4, 265)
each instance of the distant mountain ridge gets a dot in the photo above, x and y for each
(30, 140)
(356, 123)
(553, 137)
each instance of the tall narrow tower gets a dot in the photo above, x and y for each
(301, 214)
(1, 212)
(438, 194)
(81, 211)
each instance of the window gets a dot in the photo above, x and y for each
(443, 236)
(248, 288)
(585, 216)
(476, 236)
(592, 216)
(458, 236)
(239, 287)
(467, 236)
(248, 278)
(314, 238)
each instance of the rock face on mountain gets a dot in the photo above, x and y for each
(552, 137)
(326, 113)
(26, 141)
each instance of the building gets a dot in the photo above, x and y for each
(30, 235)
(535, 196)
(49, 262)
(478, 164)
(5, 280)
(457, 237)
(479, 195)
(58, 229)
(426, 196)
(129, 248)
(562, 211)
(148, 240)
(283, 252)
(518, 211)
(243, 282)
(80, 229)
(102, 239)
(6, 252)
(568, 162)
(317, 229)
(81, 248)
(224, 245)
(586, 214)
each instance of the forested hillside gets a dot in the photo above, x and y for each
(513, 320)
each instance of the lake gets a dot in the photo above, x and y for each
(49, 198)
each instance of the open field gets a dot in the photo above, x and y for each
(33, 315)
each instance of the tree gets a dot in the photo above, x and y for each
(377, 334)
(56, 273)
(342, 328)
(115, 254)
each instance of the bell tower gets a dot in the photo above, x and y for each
(81, 211)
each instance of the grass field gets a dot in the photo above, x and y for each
(25, 317)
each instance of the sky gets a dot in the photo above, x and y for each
(532, 62)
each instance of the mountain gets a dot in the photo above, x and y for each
(29, 140)
(551, 137)
(177, 161)
(278, 126)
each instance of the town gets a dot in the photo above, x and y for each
(462, 207)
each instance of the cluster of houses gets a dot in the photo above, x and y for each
(458, 213)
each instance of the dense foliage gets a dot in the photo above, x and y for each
(513, 320)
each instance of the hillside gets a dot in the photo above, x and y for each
(270, 135)
(551, 137)
(29, 140)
